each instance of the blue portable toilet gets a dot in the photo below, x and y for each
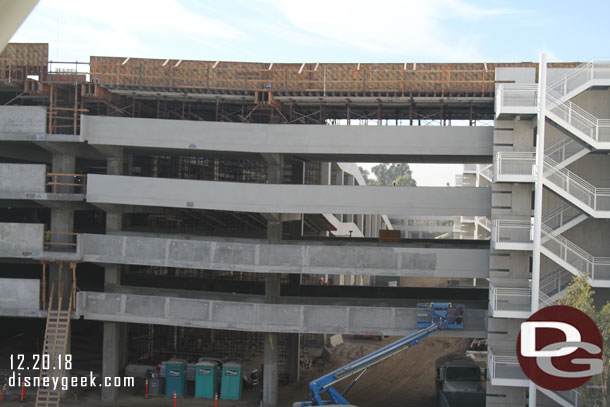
(231, 384)
(175, 378)
(206, 379)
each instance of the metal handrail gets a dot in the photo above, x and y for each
(569, 179)
(500, 225)
(563, 213)
(515, 163)
(580, 75)
(556, 282)
(516, 95)
(564, 149)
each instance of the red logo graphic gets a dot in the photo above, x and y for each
(559, 348)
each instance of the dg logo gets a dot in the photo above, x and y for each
(560, 348)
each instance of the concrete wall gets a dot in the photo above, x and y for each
(381, 142)
(380, 259)
(19, 294)
(595, 101)
(272, 198)
(26, 122)
(516, 75)
(21, 239)
(258, 317)
(22, 177)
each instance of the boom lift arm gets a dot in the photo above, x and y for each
(430, 316)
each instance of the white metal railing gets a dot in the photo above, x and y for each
(587, 124)
(596, 268)
(559, 216)
(545, 301)
(516, 95)
(579, 76)
(508, 230)
(515, 163)
(486, 170)
(503, 364)
(583, 191)
(518, 299)
(484, 221)
(564, 150)
(515, 299)
(556, 282)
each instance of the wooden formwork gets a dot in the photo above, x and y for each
(395, 78)
(17, 61)
(26, 54)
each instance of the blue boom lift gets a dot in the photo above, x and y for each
(430, 316)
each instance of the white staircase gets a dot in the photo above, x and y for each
(588, 128)
(575, 259)
(566, 151)
(581, 78)
(554, 284)
(563, 218)
(590, 199)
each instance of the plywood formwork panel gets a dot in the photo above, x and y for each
(325, 78)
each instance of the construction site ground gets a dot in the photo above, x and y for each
(405, 380)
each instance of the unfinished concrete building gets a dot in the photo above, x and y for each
(176, 207)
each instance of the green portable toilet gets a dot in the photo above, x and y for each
(175, 378)
(206, 379)
(231, 382)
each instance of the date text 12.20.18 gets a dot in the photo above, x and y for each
(38, 362)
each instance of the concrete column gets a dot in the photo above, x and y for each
(293, 347)
(62, 220)
(272, 293)
(339, 176)
(115, 334)
(110, 365)
(325, 170)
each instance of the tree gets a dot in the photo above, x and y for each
(389, 174)
(580, 296)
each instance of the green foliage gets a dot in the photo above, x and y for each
(580, 296)
(389, 174)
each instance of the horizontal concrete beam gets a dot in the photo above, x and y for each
(23, 177)
(299, 258)
(256, 317)
(277, 198)
(331, 143)
(22, 122)
(21, 239)
(19, 293)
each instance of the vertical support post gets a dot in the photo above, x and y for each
(538, 200)
(349, 115)
(275, 164)
(411, 114)
(75, 107)
(44, 285)
(73, 265)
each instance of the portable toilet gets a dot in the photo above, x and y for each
(231, 382)
(206, 379)
(175, 378)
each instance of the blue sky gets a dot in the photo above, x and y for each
(324, 31)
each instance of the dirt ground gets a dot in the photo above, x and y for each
(405, 380)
